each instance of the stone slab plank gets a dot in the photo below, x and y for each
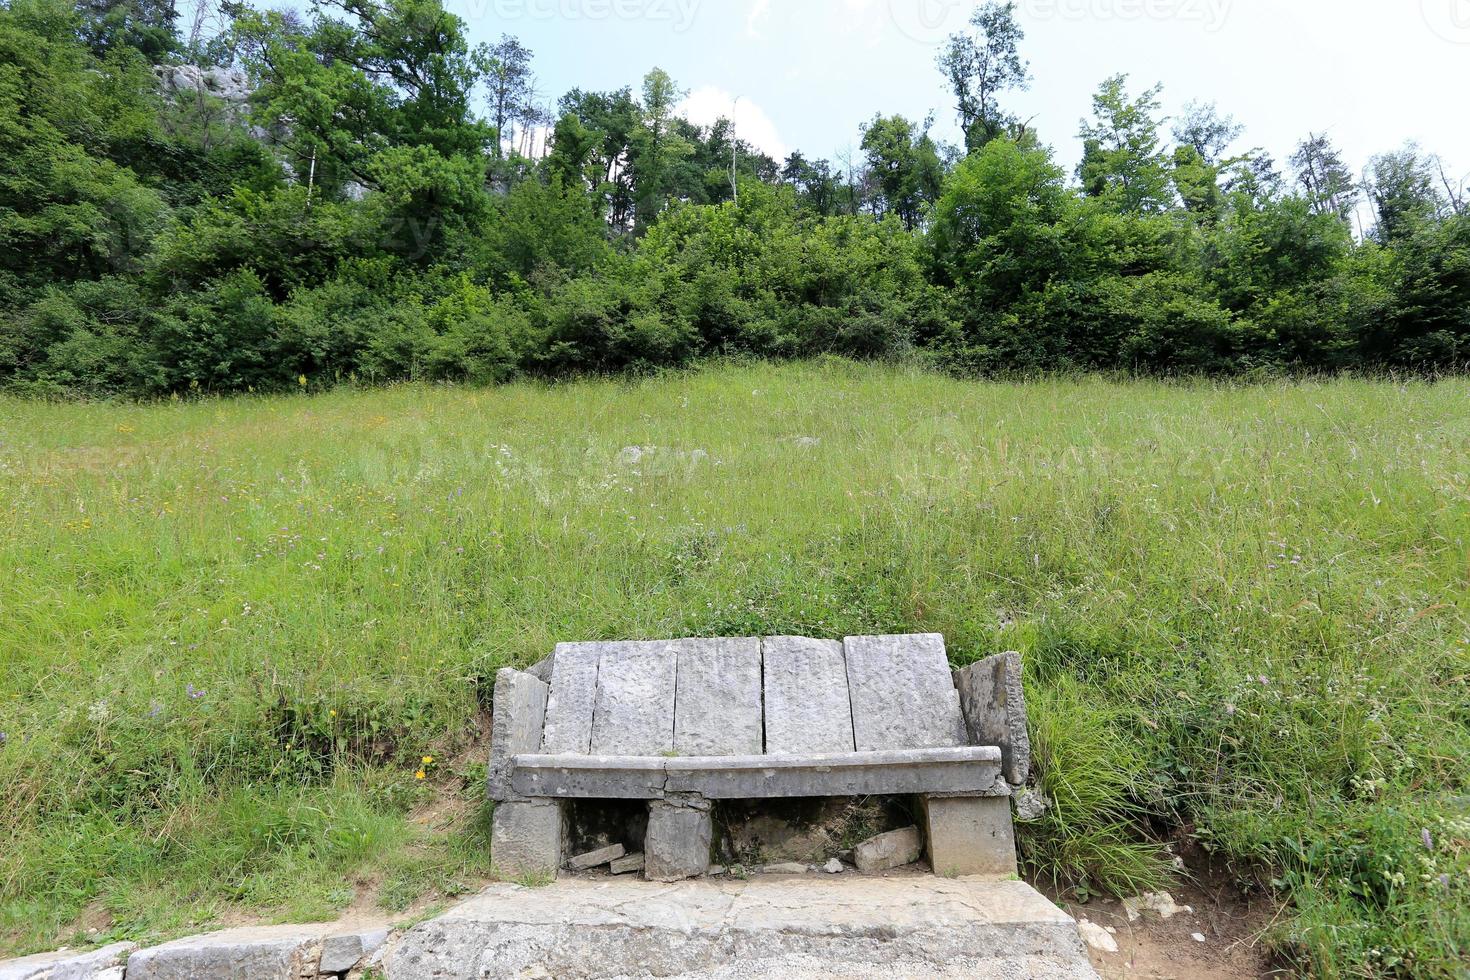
(950, 771)
(994, 707)
(634, 713)
(903, 693)
(67, 964)
(717, 699)
(589, 777)
(572, 699)
(956, 771)
(806, 698)
(517, 717)
(255, 953)
(805, 928)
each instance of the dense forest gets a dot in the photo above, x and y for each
(359, 193)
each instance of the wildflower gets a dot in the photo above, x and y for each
(332, 713)
(1428, 840)
(429, 761)
(155, 710)
(4, 738)
(195, 693)
(420, 775)
(301, 381)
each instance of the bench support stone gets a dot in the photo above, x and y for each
(969, 835)
(527, 838)
(677, 845)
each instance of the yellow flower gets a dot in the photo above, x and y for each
(420, 775)
(428, 760)
(301, 381)
(332, 713)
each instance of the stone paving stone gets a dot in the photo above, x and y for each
(634, 714)
(994, 707)
(516, 725)
(717, 701)
(903, 693)
(597, 858)
(895, 849)
(573, 695)
(971, 836)
(807, 705)
(258, 952)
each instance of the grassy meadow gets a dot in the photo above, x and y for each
(233, 634)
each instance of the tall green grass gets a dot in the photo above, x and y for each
(230, 631)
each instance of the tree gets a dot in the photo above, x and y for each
(1208, 133)
(1122, 161)
(1327, 182)
(1401, 187)
(656, 148)
(905, 167)
(982, 65)
(506, 68)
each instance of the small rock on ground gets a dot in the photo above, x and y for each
(1097, 937)
(597, 858)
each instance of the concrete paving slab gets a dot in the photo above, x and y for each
(635, 699)
(807, 705)
(848, 927)
(903, 693)
(717, 701)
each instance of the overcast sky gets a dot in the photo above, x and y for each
(1371, 73)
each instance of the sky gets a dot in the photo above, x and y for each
(1372, 74)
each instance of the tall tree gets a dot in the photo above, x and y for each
(905, 166)
(981, 65)
(507, 70)
(1327, 182)
(1401, 186)
(1122, 162)
(657, 147)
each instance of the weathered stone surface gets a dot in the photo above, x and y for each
(67, 964)
(678, 842)
(967, 770)
(572, 699)
(342, 952)
(518, 714)
(812, 927)
(526, 839)
(994, 708)
(590, 777)
(903, 693)
(256, 953)
(970, 836)
(628, 865)
(953, 770)
(885, 852)
(806, 698)
(717, 703)
(634, 715)
(834, 867)
(787, 868)
(597, 858)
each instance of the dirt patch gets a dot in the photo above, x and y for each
(1150, 946)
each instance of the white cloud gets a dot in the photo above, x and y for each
(705, 105)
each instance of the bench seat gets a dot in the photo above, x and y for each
(970, 771)
(683, 724)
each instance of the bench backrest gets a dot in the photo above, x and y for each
(732, 697)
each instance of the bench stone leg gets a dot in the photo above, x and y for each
(970, 835)
(527, 838)
(677, 844)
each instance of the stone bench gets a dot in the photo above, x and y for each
(683, 723)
